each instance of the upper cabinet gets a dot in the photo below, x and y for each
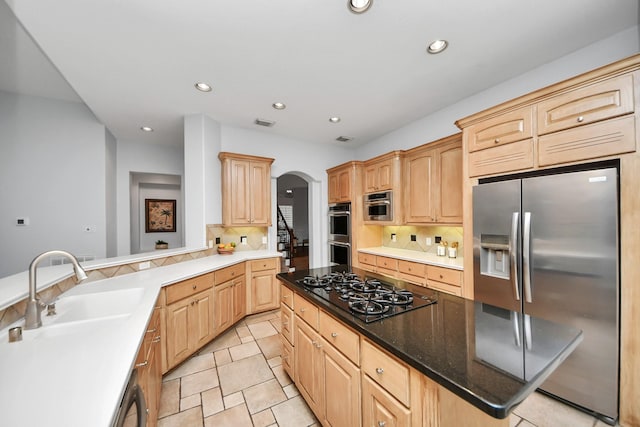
(433, 182)
(381, 173)
(341, 182)
(246, 190)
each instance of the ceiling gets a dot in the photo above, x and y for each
(135, 62)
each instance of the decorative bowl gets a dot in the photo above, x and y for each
(225, 251)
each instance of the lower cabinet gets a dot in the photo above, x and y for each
(379, 408)
(230, 303)
(264, 288)
(149, 365)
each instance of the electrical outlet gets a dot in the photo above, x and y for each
(243, 240)
(438, 239)
(144, 265)
(217, 240)
(264, 240)
(22, 221)
(393, 237)
(429, 241)
(210, 244)
(413, 237)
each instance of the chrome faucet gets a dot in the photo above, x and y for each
(32, 317)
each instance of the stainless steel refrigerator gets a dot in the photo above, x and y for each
(547, 246)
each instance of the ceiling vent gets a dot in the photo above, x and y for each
(263, 122)
(344, 138)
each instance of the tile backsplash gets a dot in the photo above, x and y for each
(403, 237)
(233, 234)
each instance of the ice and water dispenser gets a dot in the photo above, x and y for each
(494, 256)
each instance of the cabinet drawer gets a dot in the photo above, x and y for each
(306, 311)
(264, 264)
(386, 263)
(286, 322)
(228, 273)
(446, 275)
(414, 272)
(366, 258)
(503, 158)
(597, 102)
(288, 360)
(341, 337)
(504, 129)
(607, 138)
(188, 287)
(386, 371)
(286, 296)
(445, 287)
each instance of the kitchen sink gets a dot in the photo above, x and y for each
(96, 305)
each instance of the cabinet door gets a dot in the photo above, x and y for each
(239, 300)
(223, 297)
(419, 197)
(384, 175)
(177, 332)
(260, 194)
(341, 409)
(371, 178)
(240, 192)
(379, 408)
(308, 367)
(264, 291)
(334, 188)
(344, 186)
(449, 166)
(202, 319)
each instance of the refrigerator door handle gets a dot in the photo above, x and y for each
(515, 317)
(527, 332)
(513, 253)
(526, 257)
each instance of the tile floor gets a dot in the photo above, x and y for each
(237, 380)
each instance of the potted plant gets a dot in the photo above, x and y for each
(161, 244)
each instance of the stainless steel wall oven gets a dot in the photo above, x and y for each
(340, 233)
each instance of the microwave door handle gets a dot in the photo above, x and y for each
(383, 202)
(526, 257)
(513, 252)
(346, 245)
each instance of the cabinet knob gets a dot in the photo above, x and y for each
(302, 310)
(379, 371)
(285, 324)
(334, 334)
(496, 141)
(193, 302)
(381, 423)
(194, 287)
(580, 119)
(441, 276)
(285, 296)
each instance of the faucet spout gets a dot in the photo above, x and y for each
(32, 317)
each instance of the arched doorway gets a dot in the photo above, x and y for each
(293, 222)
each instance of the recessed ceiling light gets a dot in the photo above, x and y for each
(203, 87)
(437, 46)
(359, 6)
(146, 129)
(334, 119)
(279, 106)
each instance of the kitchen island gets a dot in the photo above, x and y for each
(453, 352)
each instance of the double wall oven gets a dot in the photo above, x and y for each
(340, 233)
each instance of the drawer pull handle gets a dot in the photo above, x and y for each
(156, 340)
(194, 287)
(193, 302)
(150, 331)
(302, 310)
(334, 334)
(379, 371)
(140, 365)
(285, 323)
(381, 423)
(580, 119)
(441, 276)
(285, 296)
(496, 141)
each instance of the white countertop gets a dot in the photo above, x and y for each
(416, 256)
(78, 378)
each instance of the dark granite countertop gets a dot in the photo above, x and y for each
(477, 351)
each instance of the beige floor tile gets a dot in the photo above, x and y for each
(262, 396)
(226, 340)
(263, 419)
(262, 329)
(189, 418)
(190, 402)
(291, 391)
(243, 331)
(222, 357)
(238, 416)
(198, 382)
(244, 373)
(281, 375)
(169, 398)
(212, 402)
(514, 420)
(247, 339)
(243, 351)
(525, 423)
(271, 346)
(276, 361)
(262, 317)
(232, 400)
(293, 413)
(543, 411)
(192, 365)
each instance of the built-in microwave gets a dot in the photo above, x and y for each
(378, 206)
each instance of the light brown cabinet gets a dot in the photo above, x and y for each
(341, 182)
(379, 174)
(444, 280)
(246, 190)
(380, 408)
(308, 354)
(264, 288)
(230, 303)
(149, 365)
(433, 182)
(189, 318)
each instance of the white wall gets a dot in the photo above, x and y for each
(441, 123)
(146, 240)
(52, 170)
(136, 157)
(111, 200)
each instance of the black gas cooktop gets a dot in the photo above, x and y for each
(368, 299)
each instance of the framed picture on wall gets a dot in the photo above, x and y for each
(160, 215)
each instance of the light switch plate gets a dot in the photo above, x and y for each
(264, 240)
